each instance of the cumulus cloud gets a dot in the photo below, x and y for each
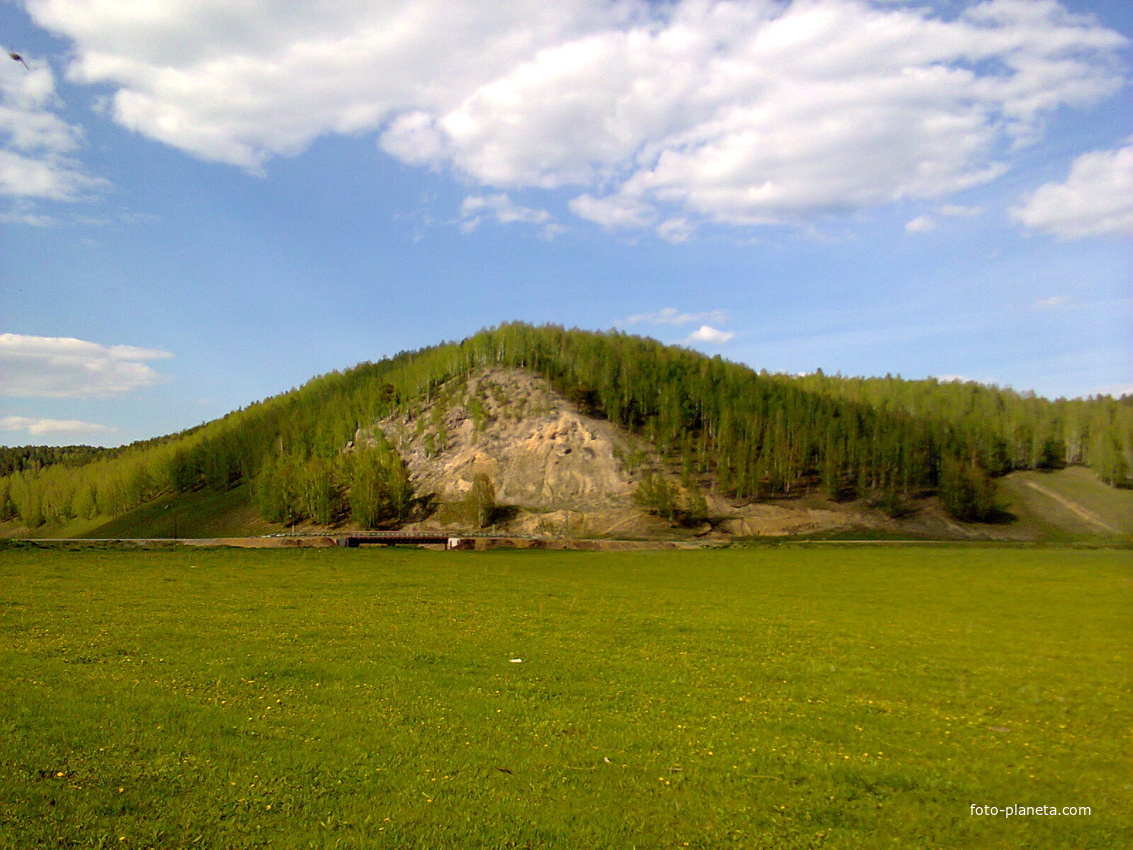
(1095, 200)
(243, 82)
(706, 333)
(710, 335)
(44, 427)
(36, 145)
(739, 113)
(62, 367)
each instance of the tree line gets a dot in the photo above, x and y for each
(19, 458)
(753, 434)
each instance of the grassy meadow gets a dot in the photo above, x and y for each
(780, 697)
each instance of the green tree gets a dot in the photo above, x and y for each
(379, 490)
(967, 491)
(1108, 460)
(8, 510)
(481, 500)
(657, 496)
(369, 489)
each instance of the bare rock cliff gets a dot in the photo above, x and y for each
(538, 450)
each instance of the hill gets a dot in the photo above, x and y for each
(541, 430)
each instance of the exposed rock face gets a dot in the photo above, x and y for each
(538, 450)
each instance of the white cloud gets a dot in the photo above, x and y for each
(672, 316)
(732, 112)
(243, 82)
(502, 209)
(36, 145)
(45, 176)
(759, 113)
(23, 212)
(926, 223)
(710, 335)
(62, 367)
(1053, 302)
(42, 427)
(676, 230)
(1095, 200)
(613, 212)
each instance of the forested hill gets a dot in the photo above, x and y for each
(752, 434)
(19, 458)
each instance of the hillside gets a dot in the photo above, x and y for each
(1067, 504)
(609, 434)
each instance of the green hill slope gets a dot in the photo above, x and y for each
(1068, 504)
(202, 513)
(710, 424)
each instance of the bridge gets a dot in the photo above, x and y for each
(411, 538)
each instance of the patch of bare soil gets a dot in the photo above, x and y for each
(319, 542)
(776, 520)
(816, 515)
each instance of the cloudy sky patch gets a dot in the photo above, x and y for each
(37, 146)
(1095, 200)
(51, 428)
(741, 113)
(61, 367)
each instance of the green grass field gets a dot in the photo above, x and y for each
(769, 697)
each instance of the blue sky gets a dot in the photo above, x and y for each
(204, 204)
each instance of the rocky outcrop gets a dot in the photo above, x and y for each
(536, 447)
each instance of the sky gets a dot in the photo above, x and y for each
(207, 202)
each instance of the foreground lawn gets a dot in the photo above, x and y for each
(790, 697)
